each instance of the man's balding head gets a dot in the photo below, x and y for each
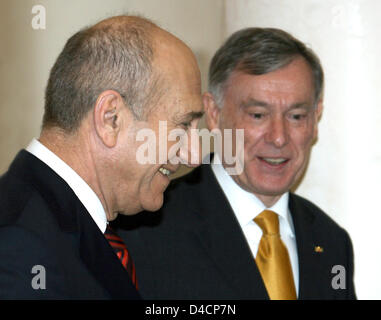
(112, 83)
(115, 54)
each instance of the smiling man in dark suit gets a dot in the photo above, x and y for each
(246, 236)
(111, 80)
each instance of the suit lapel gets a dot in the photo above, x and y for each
(306, 241)
(102, 262)
(224, 241)
(221, 236)
(72, 217)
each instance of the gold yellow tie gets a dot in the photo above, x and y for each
(272, 259)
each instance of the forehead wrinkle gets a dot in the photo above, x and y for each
(252, 102)
(278, 92)
(278, 85)
(301, 105)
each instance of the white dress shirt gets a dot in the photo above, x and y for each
(246, 206)
(82, 190)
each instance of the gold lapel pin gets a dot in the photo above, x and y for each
(319, 249)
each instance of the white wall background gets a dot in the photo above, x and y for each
(344, 174)
(26, 55)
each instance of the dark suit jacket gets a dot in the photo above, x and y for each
(42, 223)
(194, 248)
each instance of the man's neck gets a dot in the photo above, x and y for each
(77, 152)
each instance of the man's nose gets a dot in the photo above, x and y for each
(277, 133)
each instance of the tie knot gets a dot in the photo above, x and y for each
(268, 221)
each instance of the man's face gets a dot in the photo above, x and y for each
(279, 118)
(179, 107)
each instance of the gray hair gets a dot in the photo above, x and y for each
(259, 51)
(109, 56)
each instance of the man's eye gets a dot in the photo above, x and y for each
(298, 116)
(186, 125)
(257, 115)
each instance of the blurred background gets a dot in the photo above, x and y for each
(344, 172)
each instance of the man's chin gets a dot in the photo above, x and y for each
(148, 203)
(153, 204)
(145, 205)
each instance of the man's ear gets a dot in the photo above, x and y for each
(108, 116)
(212, 111)
(319, 109)
(318, 112)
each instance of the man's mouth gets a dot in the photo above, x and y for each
(274, 161)
(165, 171)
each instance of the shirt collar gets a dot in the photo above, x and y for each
(82, 190)
(246, 205)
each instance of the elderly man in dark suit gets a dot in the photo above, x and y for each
(111, 80)
(245, 235)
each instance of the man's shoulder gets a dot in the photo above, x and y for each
(15, 195)
(193, 190)
(193, 182)
(299, 201)
(314, 213)
(25, 193)
(191, 178)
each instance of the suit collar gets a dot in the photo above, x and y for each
(306, 240)
(217, 225)
(81, 189)
(72, 217)
(246, 205)
(55, 191)
(223, 239)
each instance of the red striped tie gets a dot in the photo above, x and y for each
(121, 251)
